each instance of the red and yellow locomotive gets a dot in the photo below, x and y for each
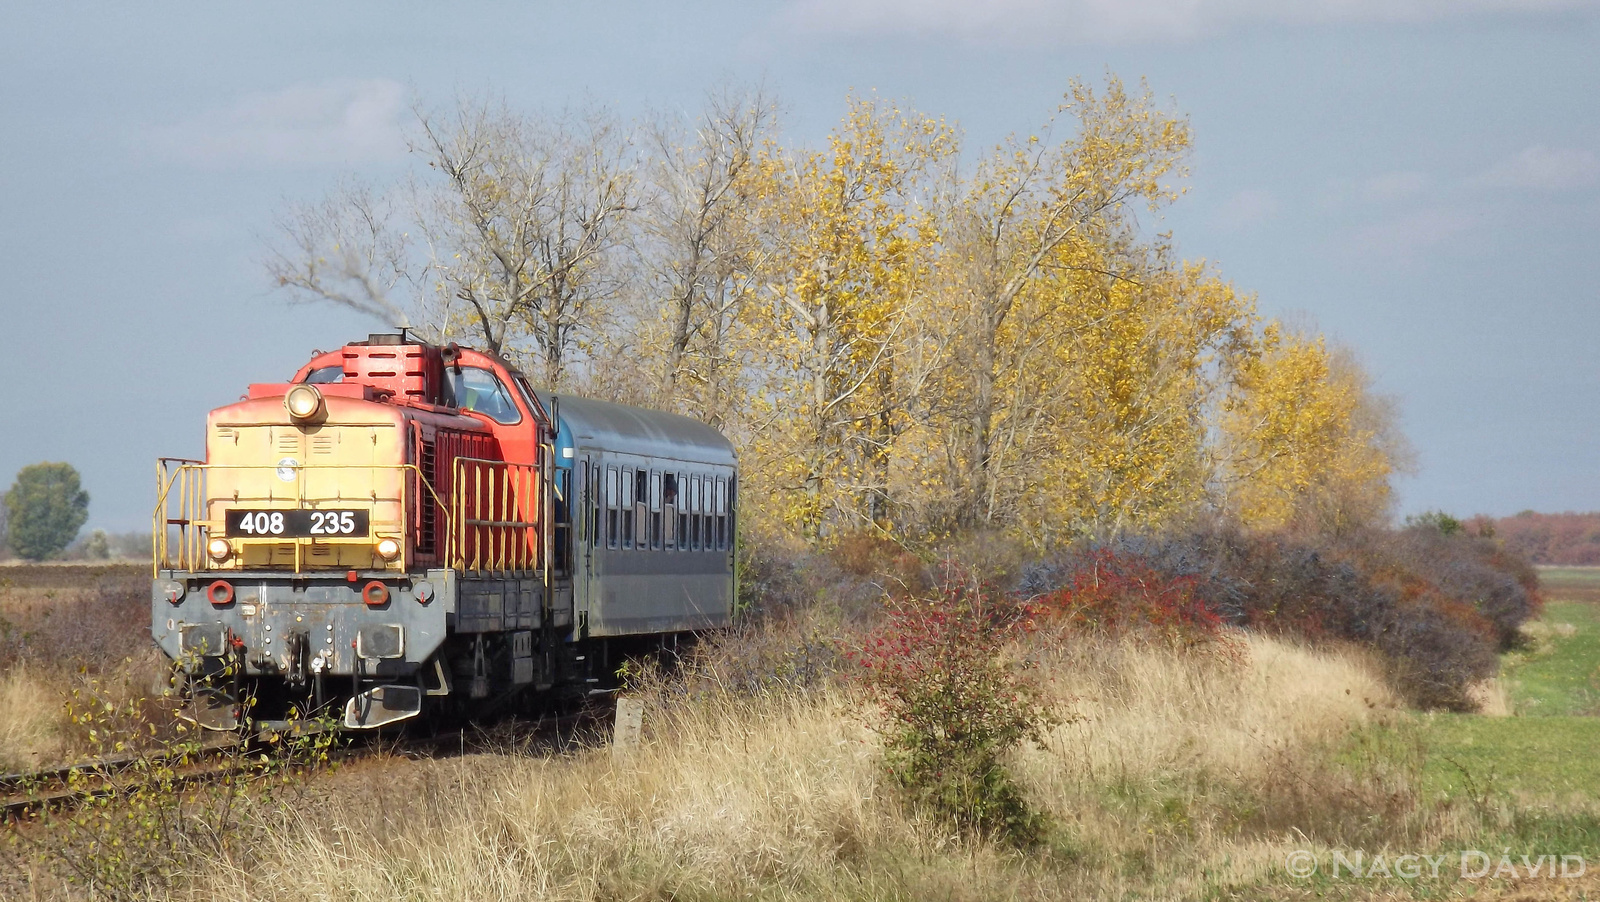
(403, 526)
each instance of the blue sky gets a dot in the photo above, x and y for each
(1419, 177)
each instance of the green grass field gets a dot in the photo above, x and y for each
(1549, 749)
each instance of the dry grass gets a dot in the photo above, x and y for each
(1492, 698)
(65, 629)
(1148, 711)
(781, 797)
(32, 731)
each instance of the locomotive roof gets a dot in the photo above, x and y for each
(589, 423)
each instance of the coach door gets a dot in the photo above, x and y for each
(586, 526)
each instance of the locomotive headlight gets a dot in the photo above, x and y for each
(388, 549)
(303, 401)
(219, 549)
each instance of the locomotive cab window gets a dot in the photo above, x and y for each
(326, 375)
(477, 389)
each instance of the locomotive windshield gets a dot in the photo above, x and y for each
(474, 388)
(324, 375)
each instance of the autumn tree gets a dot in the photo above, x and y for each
(1306, 442)
(1073, 392)
(1139, 361)
(699, 251)
(847, 233)
(1039, 211)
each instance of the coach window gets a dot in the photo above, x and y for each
(688, 513)
(720, 507)
(669, 507)
(706, 540)
(641, 509)
(477, 389)
(696, 509)
(613, 501)
(655, 510)
(684, 514)
(628, 513)
(591, 501)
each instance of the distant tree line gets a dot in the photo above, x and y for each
(901, 333)
(1569, 539)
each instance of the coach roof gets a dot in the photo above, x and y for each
(588, 423)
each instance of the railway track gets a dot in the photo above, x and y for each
(25, 795)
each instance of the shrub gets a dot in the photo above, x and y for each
(781, 580)
(1437, 605)
(956, 706)
(1114, 592)
(1474, 571)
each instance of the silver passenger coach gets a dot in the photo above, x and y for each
(646, 514)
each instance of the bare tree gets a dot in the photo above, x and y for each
(526, 213)
(504, 234)
(346, 250)
(699, 243)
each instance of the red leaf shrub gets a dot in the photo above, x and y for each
(955, 705)
(1116, 592)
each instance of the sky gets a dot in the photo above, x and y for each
(1419, 178)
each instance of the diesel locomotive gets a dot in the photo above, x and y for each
(404, 527)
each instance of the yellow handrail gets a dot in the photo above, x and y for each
(188, 478)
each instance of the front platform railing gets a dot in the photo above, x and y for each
(493, 514)
(192, 499)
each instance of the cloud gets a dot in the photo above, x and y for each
(1542, 168)
(1405, 237)
(1098, 21)
(332, 122)
(1245, 209)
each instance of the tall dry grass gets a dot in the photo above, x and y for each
(66, 629)
(32, 728)
(1157, 781)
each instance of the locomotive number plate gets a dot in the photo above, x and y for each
(297, 524)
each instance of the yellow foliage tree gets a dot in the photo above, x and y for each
(1305, 442)
(1125, 441)
(1076, 352)
(849, 237)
